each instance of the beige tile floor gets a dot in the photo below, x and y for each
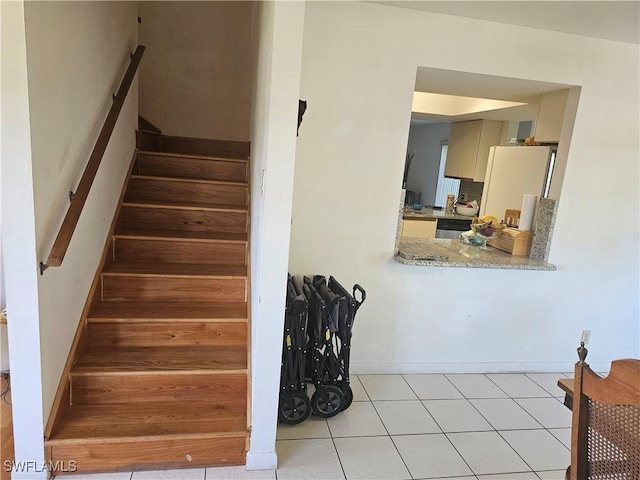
(462, 427)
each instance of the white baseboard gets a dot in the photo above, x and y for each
(471, 367)
(262, 460)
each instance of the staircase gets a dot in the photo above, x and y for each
(158, 376)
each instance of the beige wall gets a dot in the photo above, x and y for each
(358, 72)
(196, 80)
(77, 53)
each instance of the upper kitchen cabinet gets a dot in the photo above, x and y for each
(550, 116)
(468, 150)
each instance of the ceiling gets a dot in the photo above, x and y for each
(609, 20)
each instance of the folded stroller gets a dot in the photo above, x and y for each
(331, 315)
(294, 405)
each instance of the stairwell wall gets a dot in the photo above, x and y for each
(273, 143)
(77, 54)
(195, 81)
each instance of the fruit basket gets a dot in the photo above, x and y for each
(486, 230)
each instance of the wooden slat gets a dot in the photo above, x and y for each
(152, 455)
(205, 146)
(151, 189)
(158, 333)
(178, 251)
(203, 388)
(203, 168)
(173, 311)
(174, 269)
(85, 423)
(70, 221)
(195, 220)
(161, 359)
(173, 289)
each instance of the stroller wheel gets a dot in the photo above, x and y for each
(327, 401)
(348, 395)
(294, 408)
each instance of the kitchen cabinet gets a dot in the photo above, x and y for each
(419, 228)
(551, 116)
(468, 150)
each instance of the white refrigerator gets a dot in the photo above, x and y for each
(513, 172)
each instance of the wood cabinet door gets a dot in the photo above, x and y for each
(463, 149)
(419, 228)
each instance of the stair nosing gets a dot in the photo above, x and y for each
(174, 237)
(156, 320)
(196, 157)
(145, 438)
(172, 275)
(105, 372)
(144, 204)
(189, 180)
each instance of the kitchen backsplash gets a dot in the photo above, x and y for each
(472, 189)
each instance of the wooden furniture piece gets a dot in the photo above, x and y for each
(605, 429)
(512, 218)
(513, 241)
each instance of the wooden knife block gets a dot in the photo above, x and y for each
(513, 241)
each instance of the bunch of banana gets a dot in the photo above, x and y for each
(487, 226)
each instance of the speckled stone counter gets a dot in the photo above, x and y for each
(429, 214)
(443, 252)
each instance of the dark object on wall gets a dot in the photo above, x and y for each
(302, 107)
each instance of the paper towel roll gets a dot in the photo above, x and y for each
(527, 212)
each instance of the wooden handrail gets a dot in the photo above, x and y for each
(79, 197)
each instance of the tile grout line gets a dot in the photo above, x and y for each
(436, 422)
(389, 434)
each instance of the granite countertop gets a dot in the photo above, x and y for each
(430, 214)
(444, 252)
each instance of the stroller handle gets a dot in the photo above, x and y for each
(363, 294)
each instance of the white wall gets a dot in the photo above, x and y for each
(359, 67)
(273, 144)
(425, 143)
(19, 245)
(77, 54)
(195, 81)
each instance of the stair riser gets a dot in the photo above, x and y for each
(150, 455)
(163, 166)
(191, 220)
(173, 289)
(155, 334)
(205, 146)
(176, 251)
(150, 189)
(181, 387)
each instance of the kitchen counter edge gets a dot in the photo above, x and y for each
(453, 253)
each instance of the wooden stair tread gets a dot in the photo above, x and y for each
(158, 359)
(82, 423)
(176, 311)
(183, 205)
(180, 235)
(142, 176)
(174, 269)
(189, 155)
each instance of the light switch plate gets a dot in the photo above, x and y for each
(586, 335)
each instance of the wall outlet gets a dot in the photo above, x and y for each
(586, 335)
(463, 197)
